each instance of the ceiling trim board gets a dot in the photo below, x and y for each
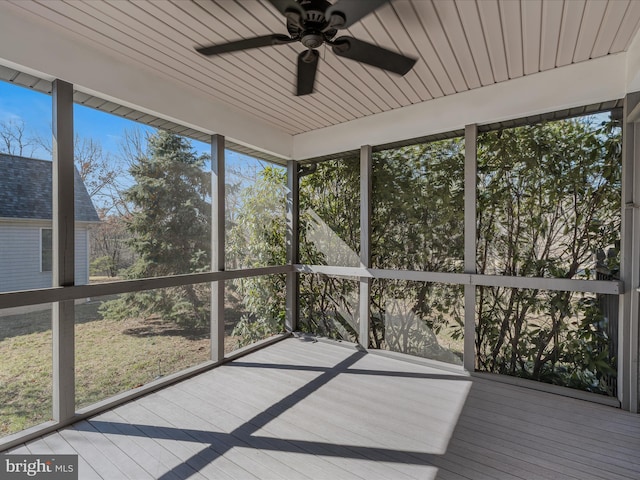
(575, 85)
(632, 74)
(93, 71)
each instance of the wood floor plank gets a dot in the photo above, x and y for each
(329, 466)
(58, 444)
(20, 450)
(330, 425)
(190, 453)
(536, 421)
(314, 410)
(557, 447)
(157, 459)
(566, 409)
(233, 446)
(539, 453)
(233, 388)
(94, 457)
(239, 402)
(126, 463)
(391, 417)
(39, 447)
(209, 414)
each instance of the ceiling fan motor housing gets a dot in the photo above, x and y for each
(314, 28)
(312, 40)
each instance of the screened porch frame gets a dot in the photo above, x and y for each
(63, 294)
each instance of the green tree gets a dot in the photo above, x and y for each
(256, 239)
(418, 208)
(417, 224)
(548, 200)
(169, 228)
(330, 234)
(110, 254)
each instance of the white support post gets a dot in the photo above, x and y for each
(634, 311)
(63, 268)
(366, 169)
(470, 173)
(217, 245)
(629, 330)
(292, 241)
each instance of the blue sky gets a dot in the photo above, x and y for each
(21, 104)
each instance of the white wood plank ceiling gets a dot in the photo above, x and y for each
(460, 45)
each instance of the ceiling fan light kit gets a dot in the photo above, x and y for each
(314, 23)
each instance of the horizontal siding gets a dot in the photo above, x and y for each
(82, 257)
(20, 257)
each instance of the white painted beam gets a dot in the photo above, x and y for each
(217, 245)
(609, 287)
(63, 312)
(629, 258)
(366, 174)
(634, 319)
(633, 65)
(470, 174)
(293, 244)
(580, 84)
(59, 294)
(634, 115)
(101, 72)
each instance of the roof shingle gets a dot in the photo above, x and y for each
(26, 190)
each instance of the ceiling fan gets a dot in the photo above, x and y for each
(314, 23)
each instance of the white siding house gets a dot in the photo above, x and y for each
(25, 224)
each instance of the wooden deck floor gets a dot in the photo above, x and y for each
(312, 410)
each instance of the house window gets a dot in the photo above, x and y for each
(46, 244)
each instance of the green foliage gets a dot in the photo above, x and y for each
(417, 219)
(400, 326)
(418, 207)
(417, 224)
(548, 197)
(330, 234)
(329, 307)
(264, 299)
(255, 239)
(102, 266)
(169, 230)
(548, 200)
(171, 221)
(330, 195)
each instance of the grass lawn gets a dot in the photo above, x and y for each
(112, 356)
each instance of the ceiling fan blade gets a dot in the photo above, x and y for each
(374, 55)
(307, 68)
(245, 44)
(286, 6)
(353, 10)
